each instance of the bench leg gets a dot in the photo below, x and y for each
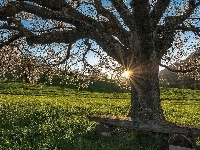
(104, 130)
(181, 142)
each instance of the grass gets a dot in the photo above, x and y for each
(43, 117)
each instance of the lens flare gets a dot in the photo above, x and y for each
(126, 74)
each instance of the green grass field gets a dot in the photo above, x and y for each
(40, 117)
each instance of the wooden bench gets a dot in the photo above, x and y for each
(149, 125)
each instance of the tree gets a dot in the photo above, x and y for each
(136, 36)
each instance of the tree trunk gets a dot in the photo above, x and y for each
(145, 94)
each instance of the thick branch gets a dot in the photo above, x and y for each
(85, 27)
(46, 13)
(55, 36)
(54, 5)
(42, 12)
(141, 14)
(124, 12)
(12, 39)
(173, 21)
(8, 27)
(163, 39)
(195, 30)
(158, 10)
(66, 14)
(112, 26)
(189, 11)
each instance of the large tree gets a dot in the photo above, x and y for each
(132, 35)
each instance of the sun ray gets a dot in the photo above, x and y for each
(126, 74)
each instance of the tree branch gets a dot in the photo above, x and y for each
(66, 57)
(158, 10)
(55, 36)
(75, 18)
(189, 11)
(85, 27)
(19, 6)
(12, 39)
(173, 21)
(55, 5)
(8, 27)
(112, 26)
(124, 12)
(45, 13)
(178, 71)
(195, 30)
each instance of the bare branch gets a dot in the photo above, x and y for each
(8, 27)
(54, 28)
(177, 70)
(195, 30)
(175, 20)
(66, 57)
(12, 39)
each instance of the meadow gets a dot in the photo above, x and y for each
(41, 117)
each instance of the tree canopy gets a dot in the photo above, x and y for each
(64, 34)
(59, 37)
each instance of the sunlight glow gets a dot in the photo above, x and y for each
(126, 74)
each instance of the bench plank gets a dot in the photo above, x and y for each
(148, 125)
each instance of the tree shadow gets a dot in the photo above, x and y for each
(129, 140)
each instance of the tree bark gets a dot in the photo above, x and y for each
(145, 94)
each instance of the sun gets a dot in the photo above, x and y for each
(126, 74)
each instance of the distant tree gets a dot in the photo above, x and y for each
(22, 65)
(132, 35)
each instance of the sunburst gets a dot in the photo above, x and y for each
(126, 74)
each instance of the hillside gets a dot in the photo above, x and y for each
(172, 79)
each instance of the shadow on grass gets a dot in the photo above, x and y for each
(134, 140)
(128, 140)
